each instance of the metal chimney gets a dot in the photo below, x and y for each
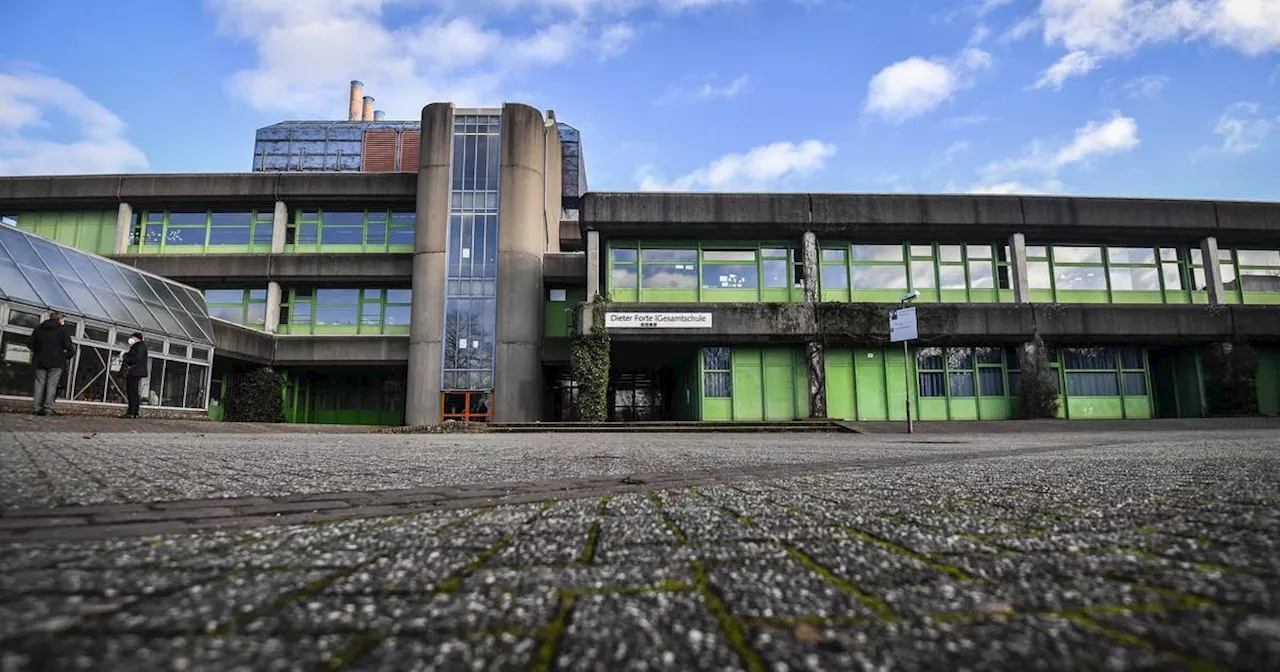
(368, 109)
(357, 91)
(379, 115)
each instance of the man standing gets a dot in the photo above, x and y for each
(134, 370)
(51, 347)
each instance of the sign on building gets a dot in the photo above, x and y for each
(902, 325)
(657, 320)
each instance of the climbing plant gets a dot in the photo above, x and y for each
(1230, 379)
(255, 397)
(1037, 383)
(590, 364)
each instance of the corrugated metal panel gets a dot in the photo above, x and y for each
(410, 141)
(379, 151)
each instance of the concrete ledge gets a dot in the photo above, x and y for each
(570, 236)
(941, 324)
(898, 216)
(240, 342)
(48, 192)
(391, 268)
(346, 350)
(565, 268)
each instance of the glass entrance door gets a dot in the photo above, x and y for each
(466, 406)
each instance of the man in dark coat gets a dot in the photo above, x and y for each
(51, 347)
(134, 370)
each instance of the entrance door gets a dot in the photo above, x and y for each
(869, 372)
(466, 406)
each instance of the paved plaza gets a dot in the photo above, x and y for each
(210, 550)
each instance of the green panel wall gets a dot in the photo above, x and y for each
(841, 401)
(89, 230)
(748, 385)
(869, 384)
(1268, 382)
(558, 320)
(779, 385)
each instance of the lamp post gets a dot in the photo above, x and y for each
(911, 332)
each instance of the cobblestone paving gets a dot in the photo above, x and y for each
(1140, 554)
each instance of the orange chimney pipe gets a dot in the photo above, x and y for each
(367, 114)
(357, 91)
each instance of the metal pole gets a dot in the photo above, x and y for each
(906, 374)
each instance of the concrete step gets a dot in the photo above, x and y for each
(673, 427)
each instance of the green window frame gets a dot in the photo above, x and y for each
(347, 310)
(1258, 273)
(1084, 273)
(965, 372)
(684, 272)
(350, 230)
(717, 372)
(247, 307)
(1105, 372)
(950, 272)
(220, 230)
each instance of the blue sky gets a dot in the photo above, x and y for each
(1177, 98)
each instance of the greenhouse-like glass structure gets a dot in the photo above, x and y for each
(105, 302)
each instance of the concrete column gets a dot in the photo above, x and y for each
(124, 222)
(593, 265)
(1212, 271)
(812, 269)
(273, 307)
(430, 237)
(1018, 275)
(279, 227)
(815, 349)
(522, 239)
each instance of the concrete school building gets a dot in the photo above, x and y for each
(413, 272)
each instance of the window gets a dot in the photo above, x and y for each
(990, 371)
(669, 269)
(730, 269)
(878, 267)
(341, 228)
(1259, 270)
(402, 227)
(775, 268)
(624, 272)
(931, 372)
(263, 227)
(1078, 268)
(557, 295)
(1105, 372)
(717, 376)
(186, 229)
(242, 306)
(1134, 269)
(230, 228)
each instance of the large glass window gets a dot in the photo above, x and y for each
(1101, 371)
(668, 269)
(242, 306)
(960, 372)
(717, 373)
(730, 269)
(1259, 270)
(1078, 268)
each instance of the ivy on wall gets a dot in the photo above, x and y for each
(1230, 379)
(590, 364)
(1037, 383)
(255, 397)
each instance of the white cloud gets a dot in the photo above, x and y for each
(1045, 188)
(910, 88)
(956, 149)
(966, 121)
(27, 100)
(1106, 29)
(706, 91)
(471, 53)
(1024, 27)
(1043, 161)
(615, 39)
(1242, 129)
(760, 169)
(1073, 64)
(1146, 87)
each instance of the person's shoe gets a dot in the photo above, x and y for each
(43, 411)
(50, 411)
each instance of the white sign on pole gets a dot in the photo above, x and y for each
(657, 320)
(902, 325)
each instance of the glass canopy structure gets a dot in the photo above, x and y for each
(105, 302)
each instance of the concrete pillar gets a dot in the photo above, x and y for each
(273, 307)
(124, 223)
(279, 227)
(1018, 275)
(522, 239)
(812, 269)
(431, 227)
(593, 265)
(815, 350)
(1212, 271)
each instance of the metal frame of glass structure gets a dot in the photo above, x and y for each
(471, 282)
(105, 302)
